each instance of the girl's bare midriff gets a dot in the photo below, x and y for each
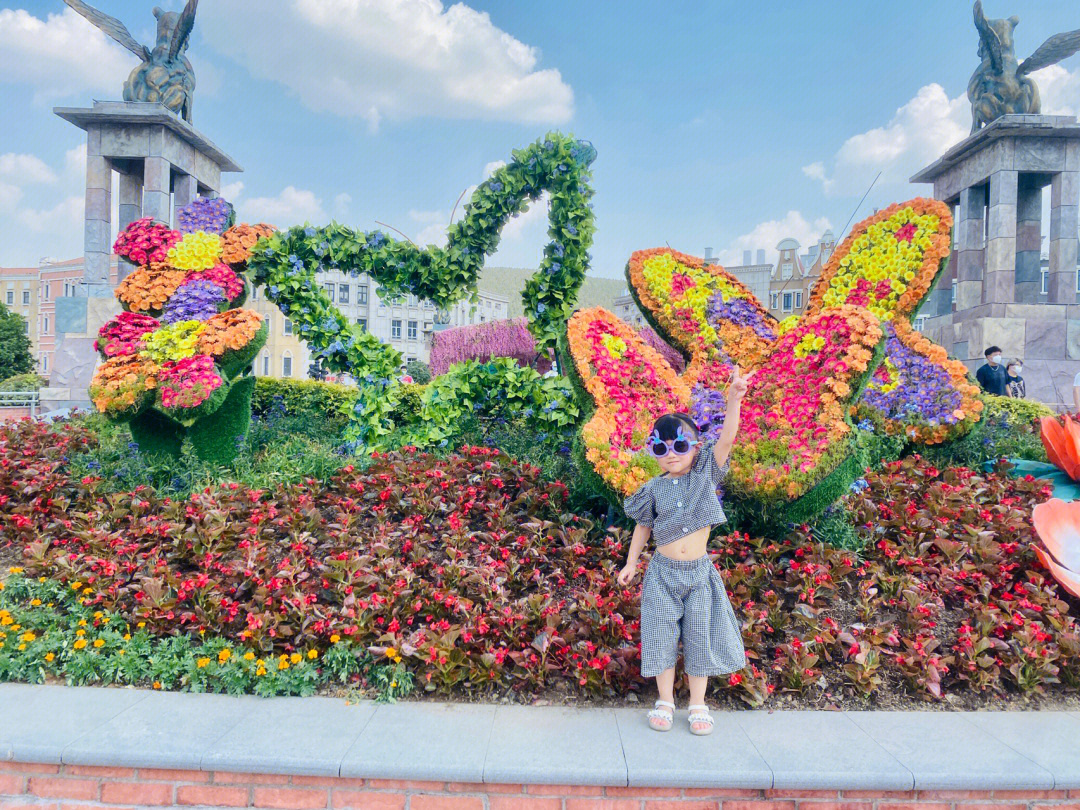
(688, 547)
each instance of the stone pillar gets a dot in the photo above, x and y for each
(999, 286)
(97, 237)
(187, 189)
(130, 193)
(970, 249)
(157, 186)
(1028, 240)
(1064, 193)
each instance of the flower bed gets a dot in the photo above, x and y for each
(466, 575)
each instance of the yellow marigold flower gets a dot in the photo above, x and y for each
(261, 670)
(76, 585)
(80, 643)
(141, 625)
(313, 654)
(15, 569)
(334, 639)
(157, 684)
(127, 636)
(119, 652)
(99, 643)
(35, 602)
(390, 652)
(98, 614)
(296, 658)
(249, 656)
(41, 579)
(80, 632)
(223, 656)
(5, 620)
(49, 657)
(283, 663)
(202, 662)
(29, 635)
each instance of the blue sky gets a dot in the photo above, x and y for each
(727, 125)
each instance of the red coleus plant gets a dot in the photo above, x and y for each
(469, 570)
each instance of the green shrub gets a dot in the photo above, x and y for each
(303, 396)
(418, 371)
(23, 382)
(1008, 429)
(410, 405)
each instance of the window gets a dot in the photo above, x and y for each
(362, 323)
(286, 365)
(44, 324)
(395, 330)
(10, 297)
(48, 291)
(287, 327)
(26, 327)
(788, 300)
(1044, 279)
(343, 293)
(798, 299)
(786, 270)
(44, 362)
(412, 330)
(774, 300)
(254, 293)
(26, 296)
(1078, 280)
(330, 289)
(919, 323)
(361, 294)
(952, 294)
(410, 360)
(266, 364)
(413, 300)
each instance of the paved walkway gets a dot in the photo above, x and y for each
(552, 745)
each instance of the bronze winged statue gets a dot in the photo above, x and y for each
(165, 74)
(1001, 86)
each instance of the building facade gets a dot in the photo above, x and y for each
(19, 294)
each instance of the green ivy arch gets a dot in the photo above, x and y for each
(285, 265)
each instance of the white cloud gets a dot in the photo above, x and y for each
(920, 132)
(62, 219)
(10, 194)
(232, 191)
(1059, 90)
(60, 55)
(767, 236)
(293, 205)
(341, 204)
(24, 168)
(391, 59)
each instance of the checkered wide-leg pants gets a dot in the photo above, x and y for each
(686, 600)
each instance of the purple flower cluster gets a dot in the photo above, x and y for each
(194, 301)
(707, 409)
(924, 394)
(740, 312)
(205, 214)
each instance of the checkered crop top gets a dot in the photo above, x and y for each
(676, 507)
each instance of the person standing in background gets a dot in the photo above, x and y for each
(1015, 383)
(992, 375)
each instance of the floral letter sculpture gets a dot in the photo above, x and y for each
(178, 358)
(796, 449)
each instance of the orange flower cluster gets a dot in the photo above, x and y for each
(932, 256)
(229, 330)
(237, 242)
(147, 290)
(123, 383)
(632, 385)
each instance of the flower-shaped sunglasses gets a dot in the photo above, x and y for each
(680, 445)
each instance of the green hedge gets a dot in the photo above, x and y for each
(303, 396)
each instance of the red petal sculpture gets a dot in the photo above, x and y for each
(1058, 525)
(1062, 443)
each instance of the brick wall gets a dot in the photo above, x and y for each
(76, 787)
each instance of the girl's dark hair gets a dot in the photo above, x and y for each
(668, 426)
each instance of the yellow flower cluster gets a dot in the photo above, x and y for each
(786, 325)
(809, 343)
(196, 251)
(659, 271)
(173, 342)
(615, 345)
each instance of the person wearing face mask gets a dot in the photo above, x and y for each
(1015, 383)
(992, 375)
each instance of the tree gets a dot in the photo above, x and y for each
(15, 355)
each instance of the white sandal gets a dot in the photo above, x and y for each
(661, 719)
(700, 716)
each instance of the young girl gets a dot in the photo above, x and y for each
(683, 595)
